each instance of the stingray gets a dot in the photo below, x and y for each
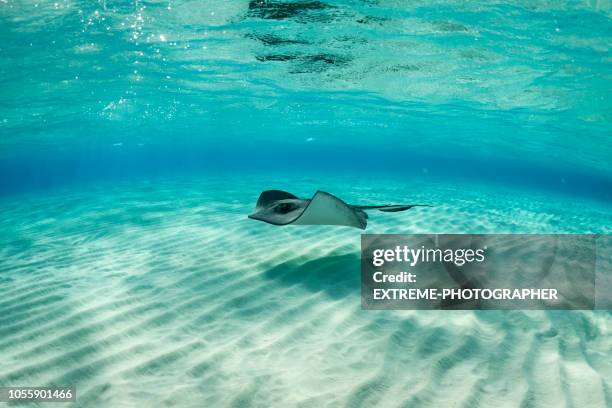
(278, 207)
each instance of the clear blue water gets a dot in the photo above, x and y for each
(135, 137)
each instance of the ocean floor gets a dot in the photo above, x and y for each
(163, 293)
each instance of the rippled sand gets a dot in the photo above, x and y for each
(165, 294)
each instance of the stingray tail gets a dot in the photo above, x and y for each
(389, 208)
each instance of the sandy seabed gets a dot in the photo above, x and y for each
(165, 294)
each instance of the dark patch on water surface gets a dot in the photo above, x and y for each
(349, 39)
(307, 63)
(372, 20)
(274, 40)
(319, 63)
(450, 26)
(275, 10)
(275, 57)
(300, 12)
(403, 68)
(325, 58)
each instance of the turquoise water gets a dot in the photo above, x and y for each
(136, 136)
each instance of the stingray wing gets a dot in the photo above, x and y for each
(326, 209)
(269, 196)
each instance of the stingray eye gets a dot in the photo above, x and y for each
(284, 208)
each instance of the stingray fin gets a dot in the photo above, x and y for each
(269, 196)
(396, 208)
(327, 209)
(389, 208)
(363, 217)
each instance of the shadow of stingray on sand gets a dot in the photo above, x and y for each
(337, 275)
